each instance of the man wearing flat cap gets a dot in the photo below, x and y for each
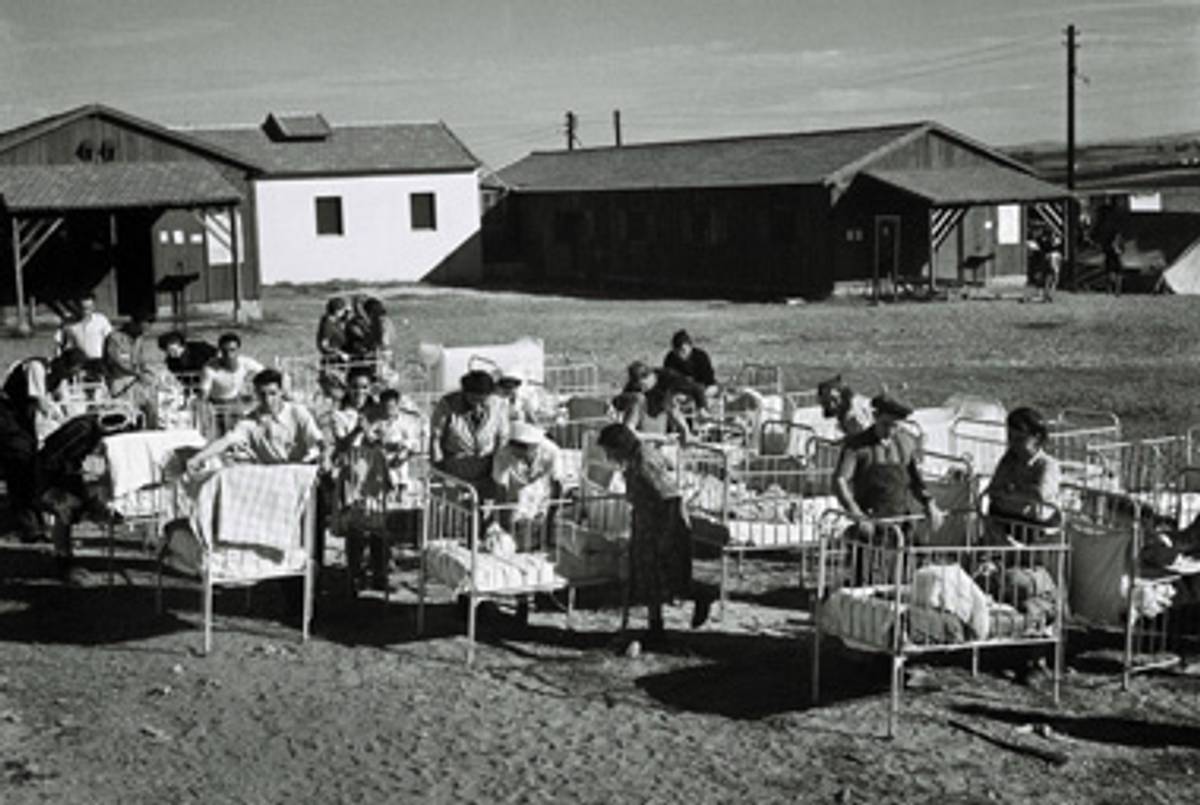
(467, 427)
(878, 473)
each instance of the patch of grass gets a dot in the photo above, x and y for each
(1136, 356)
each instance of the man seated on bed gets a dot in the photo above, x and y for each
(1025, 485)
(878, 472)
(275, 432)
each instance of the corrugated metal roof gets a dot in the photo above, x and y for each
(391, 148)
(112, 185)
(770, 159)
(983, 184)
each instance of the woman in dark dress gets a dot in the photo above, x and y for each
(661, 536)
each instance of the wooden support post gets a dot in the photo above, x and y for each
(932, 254)
(234, 248)
(22, 326)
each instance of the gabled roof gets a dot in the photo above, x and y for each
(87, 185)
(349, 150)
(816, 157)
(21, 134)
(966, 186)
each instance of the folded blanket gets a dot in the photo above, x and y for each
(138, 459)
(254, 506)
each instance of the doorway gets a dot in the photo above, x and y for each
(887, 250)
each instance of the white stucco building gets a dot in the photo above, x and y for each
(377, 203)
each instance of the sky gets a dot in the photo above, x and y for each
(503, 73)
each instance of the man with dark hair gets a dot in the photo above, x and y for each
(225, 378)
(186, 359)
(275, 432)
(689, 360)
(468, 426)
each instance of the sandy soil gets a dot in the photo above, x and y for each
(102, 700)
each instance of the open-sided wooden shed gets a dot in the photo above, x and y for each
(95, 199)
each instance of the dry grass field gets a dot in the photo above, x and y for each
(102, 701)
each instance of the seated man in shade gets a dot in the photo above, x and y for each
(275, 432)
(185, 358)
(878, 473)
(690, 361)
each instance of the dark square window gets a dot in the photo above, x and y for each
(329, 215)
(423, 208)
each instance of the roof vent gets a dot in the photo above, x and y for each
(293, 128)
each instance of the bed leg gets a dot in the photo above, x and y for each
(471, 628)
(1058, 668)
(570, 609)
(207, 598)
(974, 662)
(421, 595)
(815, 694)
(158, 582)
(897, 685)
(307, 608)
(724, 584)
(112, 554)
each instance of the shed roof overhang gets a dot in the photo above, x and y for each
(110, 186)
(967, 187)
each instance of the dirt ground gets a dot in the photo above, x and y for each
(102, 700)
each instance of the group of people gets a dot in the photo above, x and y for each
(878, 474)
(354, 330)
(481, 433)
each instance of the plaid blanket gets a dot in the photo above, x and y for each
(254, 505)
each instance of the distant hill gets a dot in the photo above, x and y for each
(1097, 162)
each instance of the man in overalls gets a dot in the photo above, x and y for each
(878, 472)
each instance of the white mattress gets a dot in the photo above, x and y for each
(229, 563)
(449, 563)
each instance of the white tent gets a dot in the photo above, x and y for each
(1183, 276)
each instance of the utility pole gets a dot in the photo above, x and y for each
(571, 138)
(1069, 220)
(617, 127)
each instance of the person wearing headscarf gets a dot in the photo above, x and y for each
(661, 534)
(1025, 484)
(467, 427)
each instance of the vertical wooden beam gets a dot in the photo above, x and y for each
(18, 271)
(932, 252)
(234, 248)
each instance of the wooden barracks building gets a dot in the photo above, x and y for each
(770, 215)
